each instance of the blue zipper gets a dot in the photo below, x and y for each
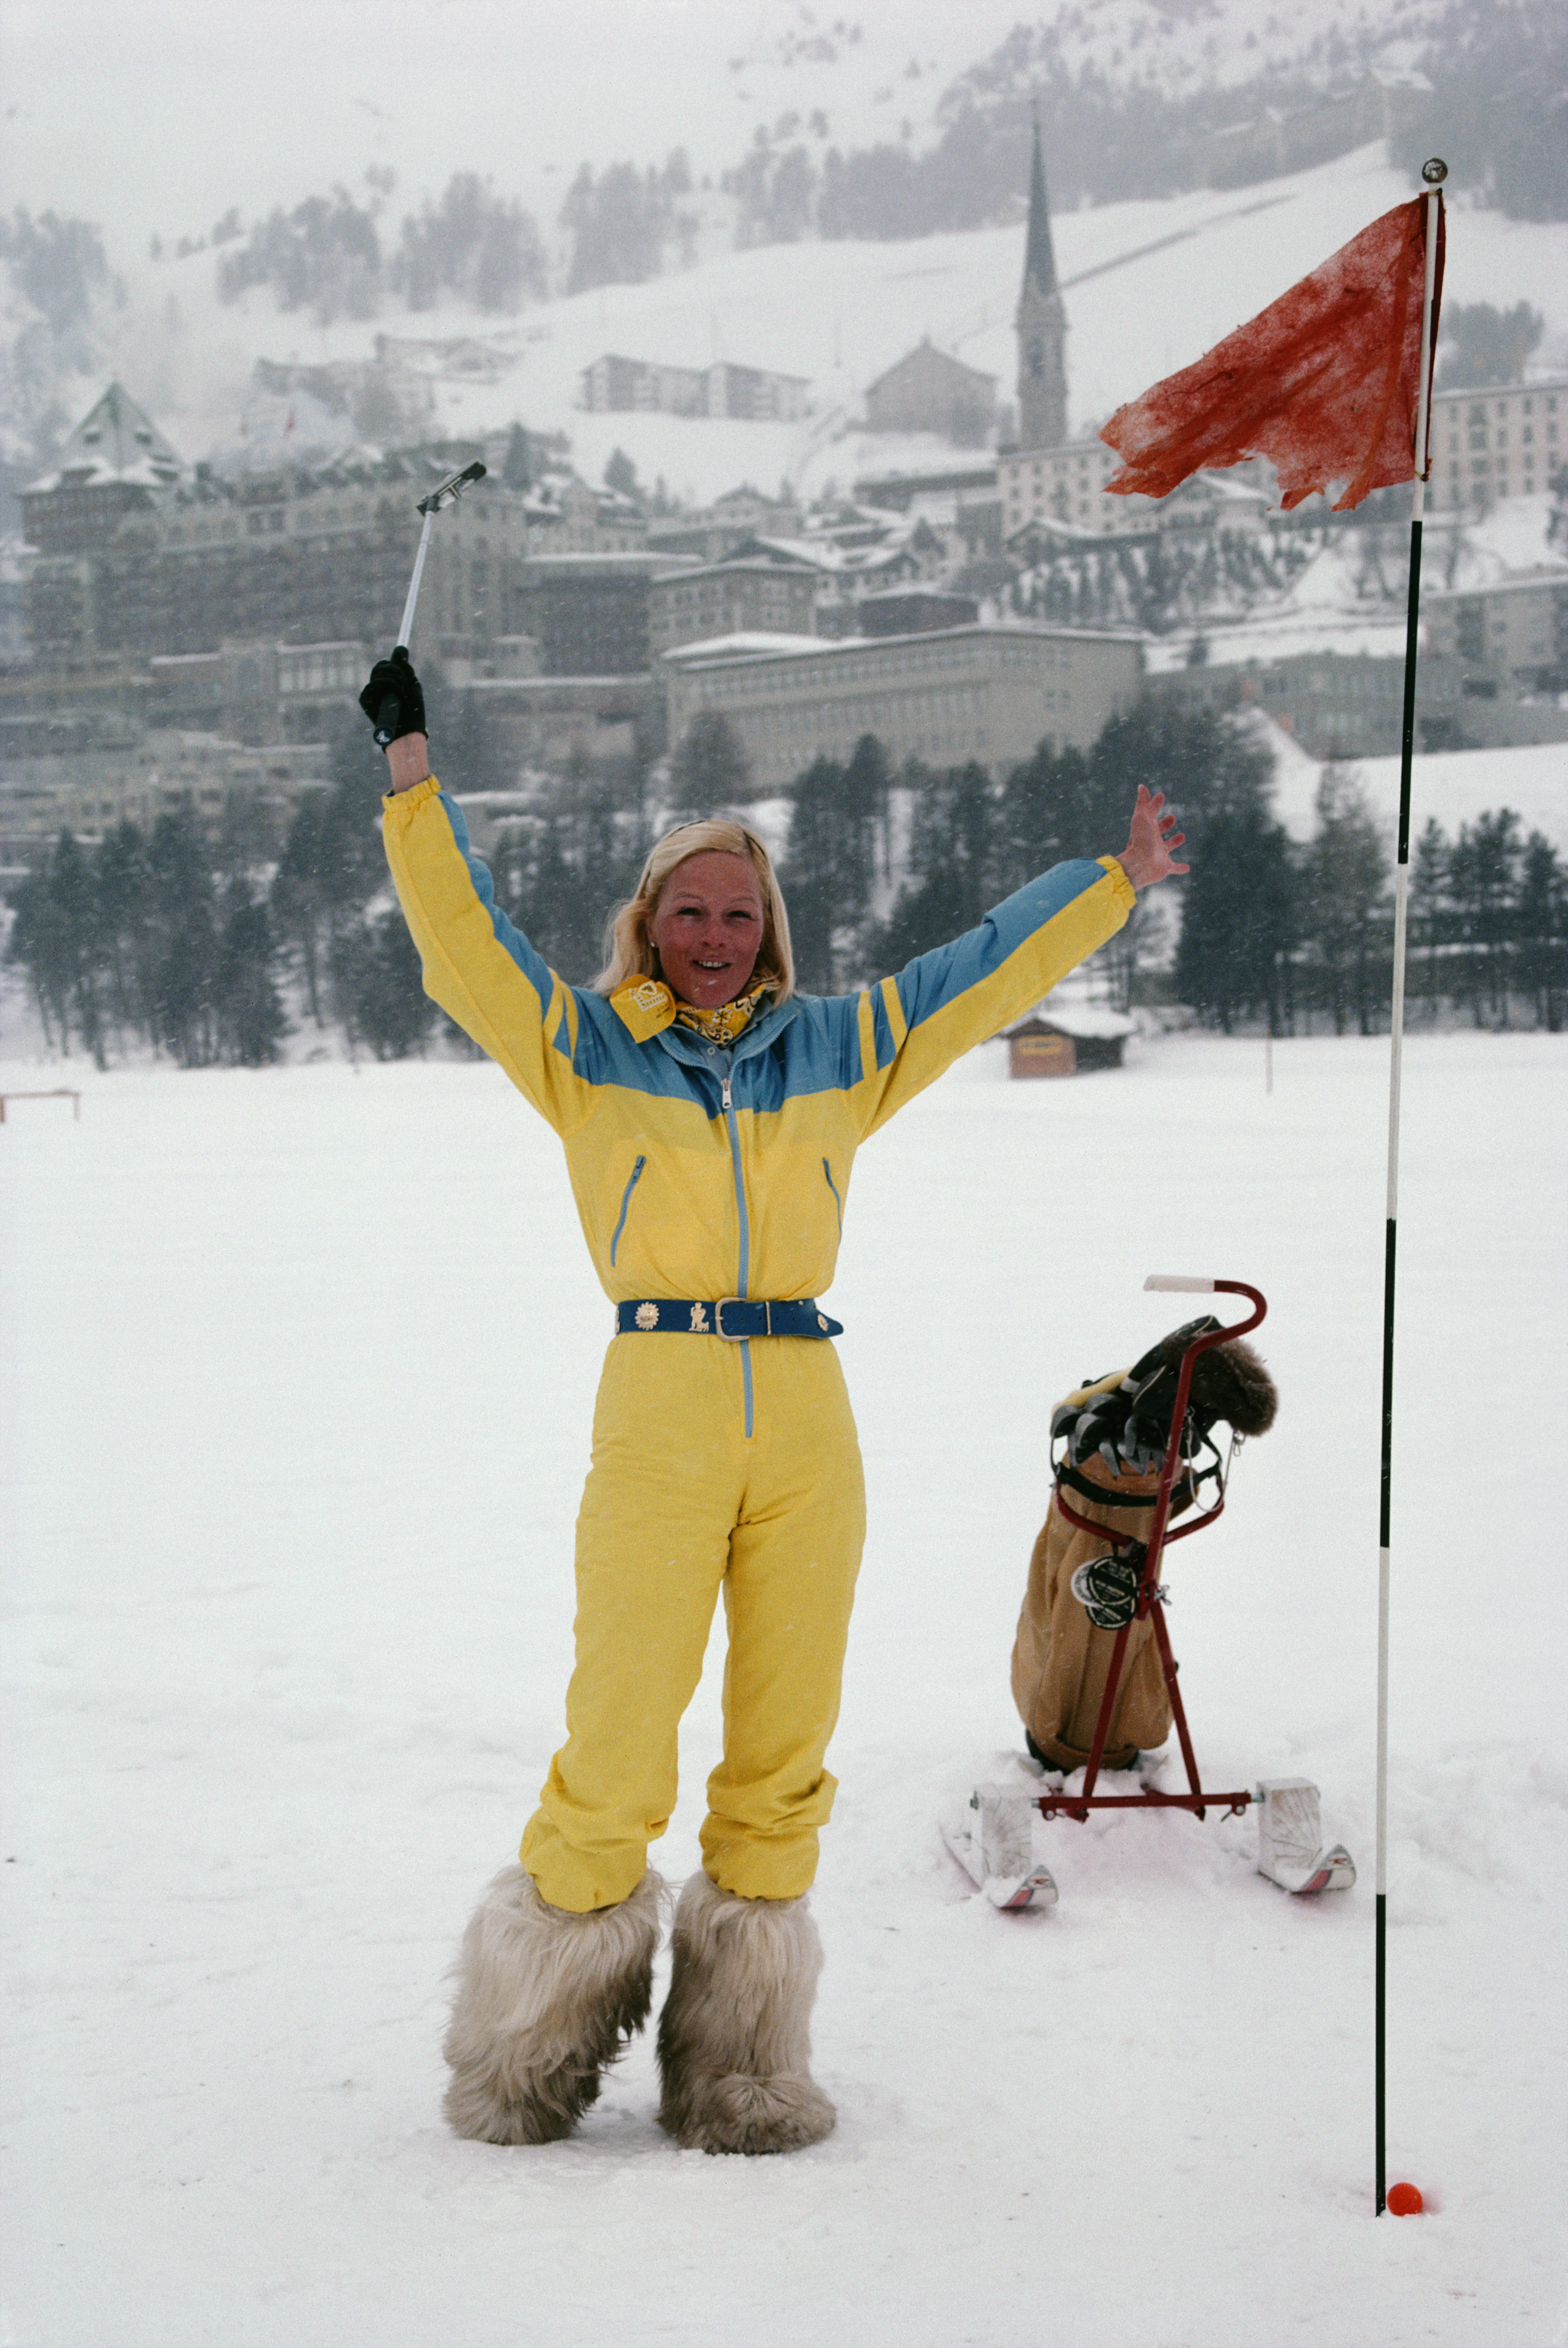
(838, 1203)
(625, 1203)
(743, 1268)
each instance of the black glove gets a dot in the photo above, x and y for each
(394, 699)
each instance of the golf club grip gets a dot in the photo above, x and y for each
(1180, 1282)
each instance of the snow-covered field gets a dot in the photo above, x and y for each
(295, 1395)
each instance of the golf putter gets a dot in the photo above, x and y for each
(445, 493)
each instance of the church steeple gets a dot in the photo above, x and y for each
(1042, 325)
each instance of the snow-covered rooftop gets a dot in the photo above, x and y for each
(745, 643)
(115, 441)
(750, 644)
(1087, 1021)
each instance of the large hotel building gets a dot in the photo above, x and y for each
(946, 695)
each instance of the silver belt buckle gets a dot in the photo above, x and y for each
(733, 1336)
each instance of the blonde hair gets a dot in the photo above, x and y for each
(630, 952)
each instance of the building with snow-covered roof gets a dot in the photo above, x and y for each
(566, 515)
(1047, 487)
(177, 563)
(946, 695)
(1503, 441)
(88, 786)
(1347, 705)
(116, 462)
(613, 384)
(761, 586)
(974, 484)
(1067, 1039)
(1514, 628)
(928, 390)
(711, 533)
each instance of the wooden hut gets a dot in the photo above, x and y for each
(1071, 1041)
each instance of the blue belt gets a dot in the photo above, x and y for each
(734, 1318)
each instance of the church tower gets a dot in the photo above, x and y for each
(1042, 326)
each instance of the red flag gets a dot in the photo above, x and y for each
(1324, 381)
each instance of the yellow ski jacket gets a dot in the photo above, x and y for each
(693, 1183)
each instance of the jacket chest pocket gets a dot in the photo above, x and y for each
(632, 1181)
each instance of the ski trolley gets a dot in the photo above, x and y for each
(1121, 1589)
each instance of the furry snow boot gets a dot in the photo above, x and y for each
(545, 2001)
(734, 2046)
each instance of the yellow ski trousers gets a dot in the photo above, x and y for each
(681, 1503)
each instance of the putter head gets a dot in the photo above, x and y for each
(448, 492)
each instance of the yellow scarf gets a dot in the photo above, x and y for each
(723, 1026)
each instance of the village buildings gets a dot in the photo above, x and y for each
(203, 631)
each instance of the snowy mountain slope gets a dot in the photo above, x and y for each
(1449, 786)
(286, 1542)
(1148, 287)
(263, 111)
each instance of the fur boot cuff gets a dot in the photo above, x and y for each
(735, 2045)
(545, 2001)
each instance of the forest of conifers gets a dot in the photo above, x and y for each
(166, 941)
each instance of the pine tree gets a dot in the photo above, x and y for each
(620, 475)
(1542, 936)
(122, 880)
(251, 1018)
(1344, 886)
(813, 874)
(331, 864)
(375, 971)
(1238, 919)
(1239, 908)
(184, 944)
(709, 770)
(1045, 815)
(952, 862)
(50, 938)
(1483, 880)
(1427, 909)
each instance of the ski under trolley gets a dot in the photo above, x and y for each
(998, 1840)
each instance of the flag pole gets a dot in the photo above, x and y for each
(1434, 173)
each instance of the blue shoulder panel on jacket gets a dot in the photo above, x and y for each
(608, 1053)
(809, 1044)
(528, 958)
(934, 979)
(819, 1051)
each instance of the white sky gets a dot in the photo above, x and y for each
(159, 116)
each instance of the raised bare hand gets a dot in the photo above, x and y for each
(1147, 857)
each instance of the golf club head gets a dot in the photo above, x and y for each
(448, 492)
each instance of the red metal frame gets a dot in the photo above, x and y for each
(1150, 1604)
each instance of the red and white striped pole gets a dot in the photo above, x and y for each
(1434, 173)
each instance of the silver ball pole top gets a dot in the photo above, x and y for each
(1434, 171)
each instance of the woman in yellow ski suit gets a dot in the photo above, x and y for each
(711, 1179)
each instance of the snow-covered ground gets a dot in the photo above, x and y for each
(297, 1394)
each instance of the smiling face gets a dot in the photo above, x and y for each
(707, 928)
